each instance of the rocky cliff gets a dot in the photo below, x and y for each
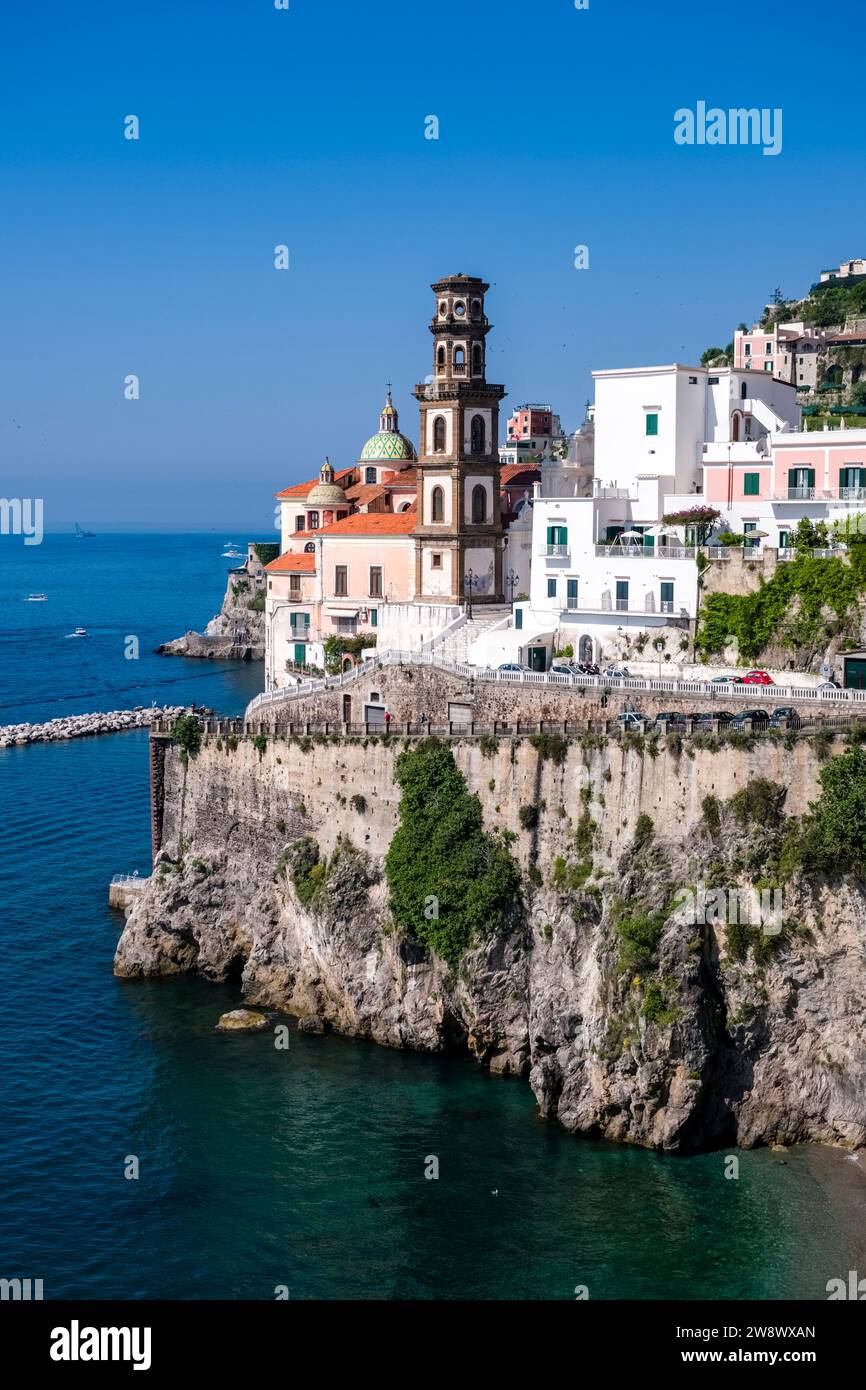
(631, 1017)
(237, 632)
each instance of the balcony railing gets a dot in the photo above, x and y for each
(555, 552)
(637, 551)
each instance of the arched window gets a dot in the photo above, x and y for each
(477, 434)
(439, 435)
(479, 503)
(369, 475)
(744, 392)
(735, 432)
(437, 504)
(459, 359)
(440, 357)
(476, 359)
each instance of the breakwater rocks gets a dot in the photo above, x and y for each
(83, 725)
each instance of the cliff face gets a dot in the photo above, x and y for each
(710, 1033)
(237, 632)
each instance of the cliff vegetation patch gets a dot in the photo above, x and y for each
(450, 880)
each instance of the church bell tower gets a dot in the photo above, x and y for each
(458, 536)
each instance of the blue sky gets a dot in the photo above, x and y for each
(306, 127)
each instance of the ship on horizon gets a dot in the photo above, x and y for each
(79, 534)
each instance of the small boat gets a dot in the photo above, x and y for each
(36, 598)
(81, 535)
(79, 632)
(232, 555)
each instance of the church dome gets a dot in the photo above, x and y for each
(326, 493)
(389, 445)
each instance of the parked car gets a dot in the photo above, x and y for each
(618, 672)
(721, 716)
(786, 714)
(560, 669)
(630, 719)
(512, 666)
(758, 678)
(755, 716)
(669, 719)
(725, 680)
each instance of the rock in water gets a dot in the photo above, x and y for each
(242, 1021)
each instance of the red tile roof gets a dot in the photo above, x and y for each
(514, 471)
(292, 564)
(362, 493)
(301, 489)
(406, 477)
(373, 524)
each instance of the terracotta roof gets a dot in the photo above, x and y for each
(403, 476)
(373, 524)
(292, 564)
(362, 493)
(512, 471)
(301, 489)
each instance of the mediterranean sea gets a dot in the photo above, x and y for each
(305, 1168)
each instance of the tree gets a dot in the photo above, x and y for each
(450, 880)
(712, 354)
(833, 837)
(701, 521)
(186, 736)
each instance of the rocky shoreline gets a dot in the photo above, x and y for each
(84, 725)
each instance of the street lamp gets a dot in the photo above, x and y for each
(469, 583)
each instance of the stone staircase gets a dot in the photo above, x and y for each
(455, 647)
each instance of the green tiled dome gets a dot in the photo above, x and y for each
(388, 446)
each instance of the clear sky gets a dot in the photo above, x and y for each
(306, 127)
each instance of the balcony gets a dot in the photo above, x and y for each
(645, 552)
(555, 552)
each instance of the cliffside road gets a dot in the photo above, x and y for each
(84, 725)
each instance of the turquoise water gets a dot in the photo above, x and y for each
(303, 1168)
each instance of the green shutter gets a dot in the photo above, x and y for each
(751, 484)
(652, 423)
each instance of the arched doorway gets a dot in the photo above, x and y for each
(735, 426)
(585, 650)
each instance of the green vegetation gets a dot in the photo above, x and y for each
(358, 803)
(570, 878)
(343, 880)
(639, 934)
(643, 831)
(759, 802)
(186, 736)
(260, 743)
(699, 521)
(450, 881)
(655, 1006)
(266, 551)
(528, 817)
(550, 746)
(831, 839)
(711, 814)
(757, 619)
(257, 603)
(338, 647)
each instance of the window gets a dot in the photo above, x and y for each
(299, 523)
(747, 527)
(557, 538)
(369, 475)
(744, 391)
(652, 422)
(768, 366)
(294, 586)
(341, 581)
(751, 484)
(300, 623)
(374, 617)
(476, 359)
(437, 504)
(551, 588)
(477, 434)
(693, 381)
(479, 504)
(622, 595)
(518, 618)
(459, 309)
(375, 581)
(314, 521)
(440, 357)
(571, 593)
(768, 348)
(854, 476)
(346, 625)
(459, 359)
(667, 596)
(435, 561)
(439, 435)
(783, 540)
(748, 349)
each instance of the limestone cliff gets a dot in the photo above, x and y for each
(629, 1020)
(237, 632)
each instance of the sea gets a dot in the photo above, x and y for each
(144, 1155)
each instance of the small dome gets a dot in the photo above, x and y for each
(326, 493)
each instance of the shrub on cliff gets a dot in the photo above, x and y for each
(831, 839)
(186, 736)
(450, 880)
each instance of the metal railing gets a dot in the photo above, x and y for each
(133, 881)
(615, 551)
(558, 552)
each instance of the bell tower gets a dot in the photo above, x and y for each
(458, 536)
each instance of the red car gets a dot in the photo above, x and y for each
(757, 678)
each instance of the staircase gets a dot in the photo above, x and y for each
(456, 646)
